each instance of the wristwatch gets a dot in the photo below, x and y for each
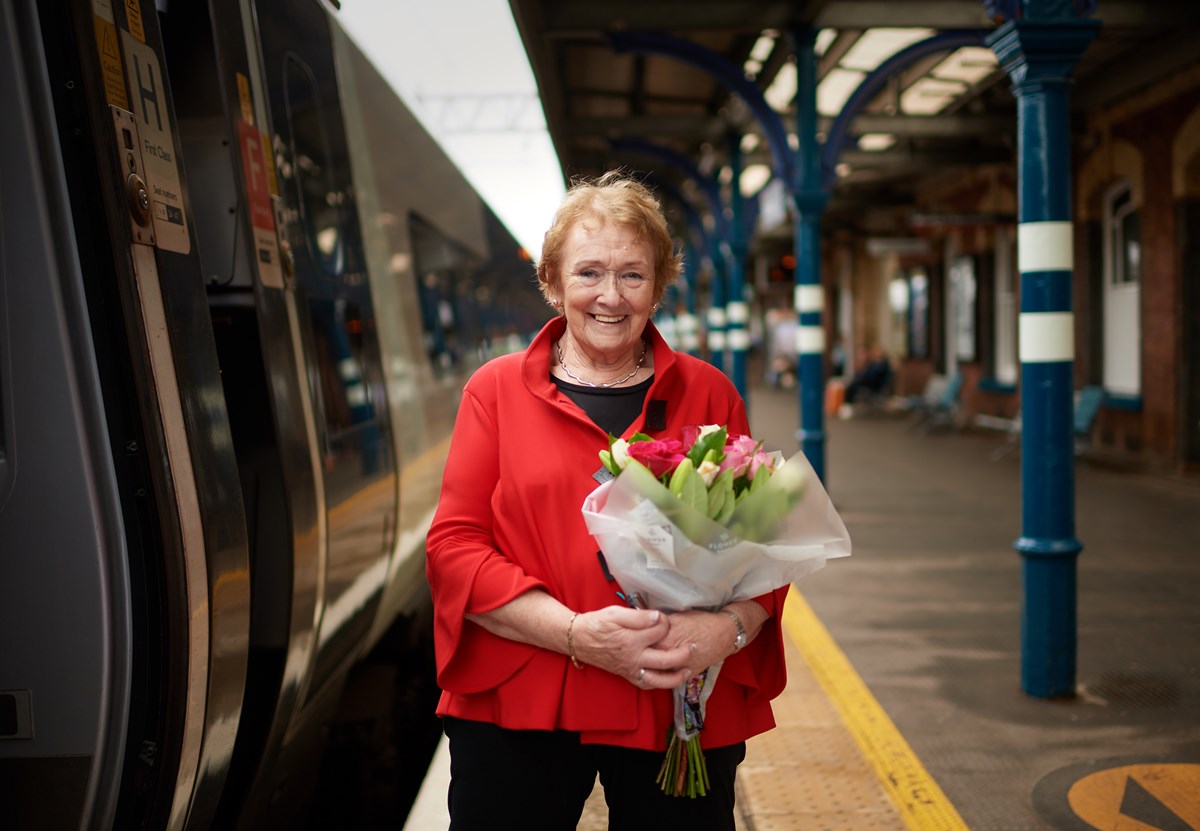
(740, 640)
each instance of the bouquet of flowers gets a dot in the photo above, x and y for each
(699, 522)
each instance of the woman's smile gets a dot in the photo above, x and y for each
(607, 295)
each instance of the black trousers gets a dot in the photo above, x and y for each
(536, 780)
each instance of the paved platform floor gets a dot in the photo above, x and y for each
(918, 633)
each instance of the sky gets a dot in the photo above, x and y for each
(461, 68)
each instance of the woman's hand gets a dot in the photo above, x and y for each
(630, 643)
(709, 636)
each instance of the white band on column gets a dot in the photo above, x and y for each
(810, 340)
(809, 298)
(738, 311)
(716, 317)
(739, 339)
(1046, 337)
(688, 324)
(716, 340)
(690, 342)
(1045, 246)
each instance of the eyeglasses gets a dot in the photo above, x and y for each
(593, 277)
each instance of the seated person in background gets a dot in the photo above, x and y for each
(872, 378)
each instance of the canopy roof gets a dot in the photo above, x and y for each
(946, 110)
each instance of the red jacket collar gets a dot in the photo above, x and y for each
(535, 366)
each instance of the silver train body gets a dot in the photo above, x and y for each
(241, 290)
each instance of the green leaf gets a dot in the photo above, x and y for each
(713, 441)
(726, 509)
(693, 493)
(720, 494)
(682, 471)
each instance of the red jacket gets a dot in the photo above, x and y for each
(521, 462)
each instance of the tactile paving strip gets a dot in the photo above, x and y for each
(808, 773)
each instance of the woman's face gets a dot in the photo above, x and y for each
(607, 289)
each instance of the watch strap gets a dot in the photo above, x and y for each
(740, 640)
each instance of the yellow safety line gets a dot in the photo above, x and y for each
(920, 801)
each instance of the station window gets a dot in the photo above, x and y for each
(1124, 233)
(1122, 290)
(962, 321)
(918, 313)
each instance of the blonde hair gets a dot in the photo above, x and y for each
(624, 201)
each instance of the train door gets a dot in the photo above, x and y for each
(294, 324)
(177, 587)
(224, 137)
(344, 370)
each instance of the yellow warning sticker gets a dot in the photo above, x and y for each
(110, 61)
(133, 16)
(244, 98)
(269, 162)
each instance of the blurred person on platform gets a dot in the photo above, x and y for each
(873, 378)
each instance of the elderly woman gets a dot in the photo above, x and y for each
(547, 678)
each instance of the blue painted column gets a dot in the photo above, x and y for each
(687, 325)
(1038, 52)
(716, 318)
(810, 198)
(737, 309)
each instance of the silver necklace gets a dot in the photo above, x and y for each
(563, 363)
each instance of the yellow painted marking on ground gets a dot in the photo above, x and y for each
(1099, 798)
(922, 804)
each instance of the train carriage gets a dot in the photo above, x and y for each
(242, 288)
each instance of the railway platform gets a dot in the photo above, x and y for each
(903, 708)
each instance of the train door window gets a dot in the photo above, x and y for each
(190, 52)
(1122, 291)
(318, 198)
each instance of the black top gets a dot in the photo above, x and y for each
(612, 408)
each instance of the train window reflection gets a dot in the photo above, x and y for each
(338, 335)
(311, 170)
(446, 284)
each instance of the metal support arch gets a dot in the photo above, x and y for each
(871, 85)
(721, 252)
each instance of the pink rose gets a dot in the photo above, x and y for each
(744, 456)
(739, 455)
(659, 456)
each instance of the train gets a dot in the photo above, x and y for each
(241, 289)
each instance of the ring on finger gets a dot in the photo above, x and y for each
(641, 676)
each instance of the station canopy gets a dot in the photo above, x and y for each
(609, 107)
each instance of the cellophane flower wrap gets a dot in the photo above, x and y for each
(699, 522)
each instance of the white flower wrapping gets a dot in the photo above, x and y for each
(676, 558)
(667, 554)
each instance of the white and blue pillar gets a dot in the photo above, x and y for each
(737, 333)
(810, 197)
(1038, 52)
